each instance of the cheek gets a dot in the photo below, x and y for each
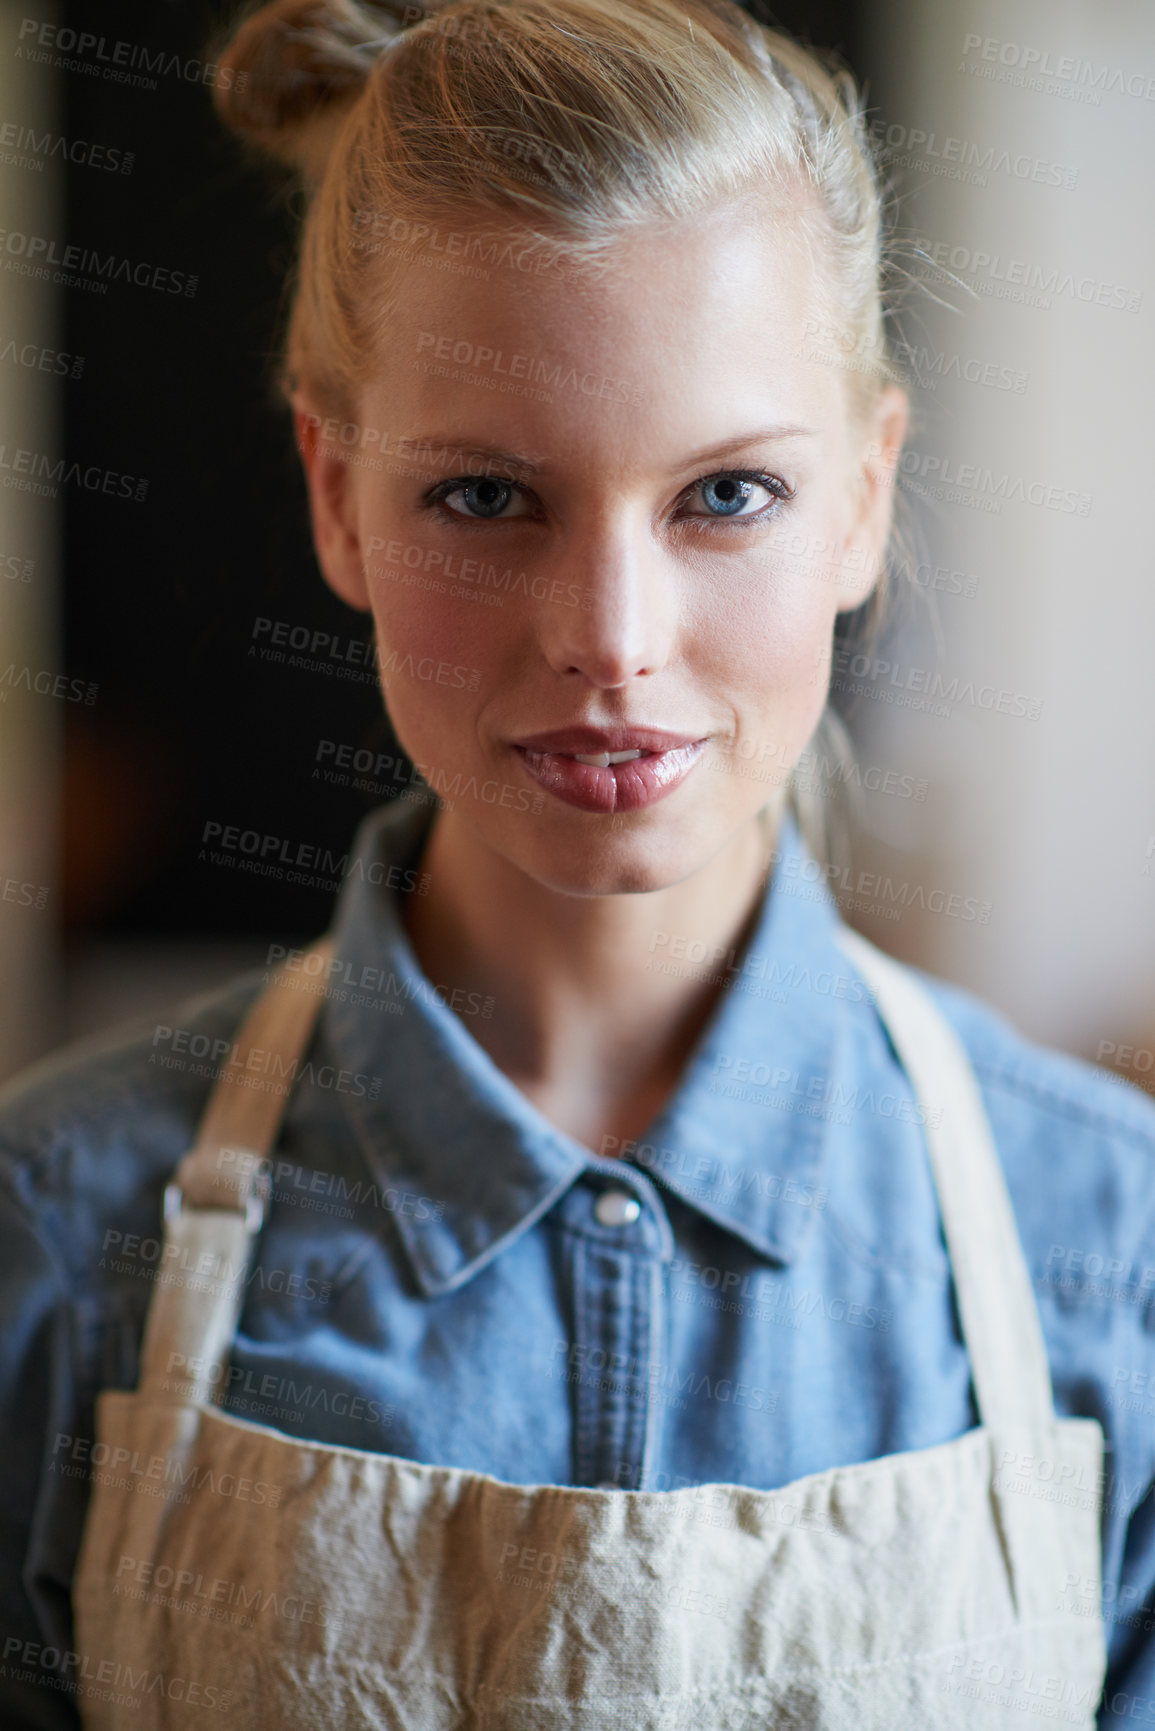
(438, 641)
(770, 641)
(428, 602)
(431, 596)
(769, 650)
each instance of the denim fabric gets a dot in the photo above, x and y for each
(445, 1276)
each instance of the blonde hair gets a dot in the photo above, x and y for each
(570, 120)
(567, 122)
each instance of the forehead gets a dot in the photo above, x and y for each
(682, 335)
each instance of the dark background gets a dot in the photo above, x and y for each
(161, 597)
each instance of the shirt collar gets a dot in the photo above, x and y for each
(741, 1140)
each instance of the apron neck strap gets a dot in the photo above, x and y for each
(997, 1310)
(245, 1108)
(216, 1205)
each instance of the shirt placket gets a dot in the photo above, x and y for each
(619, 1325)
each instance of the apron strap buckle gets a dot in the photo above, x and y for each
(255, 1203)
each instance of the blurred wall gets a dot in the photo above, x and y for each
(1022, 138)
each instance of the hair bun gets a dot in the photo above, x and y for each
(295, 67)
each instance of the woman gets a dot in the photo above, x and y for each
(590, 1287)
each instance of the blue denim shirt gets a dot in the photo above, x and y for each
(445, 1275)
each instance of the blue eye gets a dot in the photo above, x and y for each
(729, 494)
(486, 497)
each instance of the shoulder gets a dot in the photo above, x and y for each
(93, 1128)
(154, 1065)
(1063, 1093)
(1077, 1146)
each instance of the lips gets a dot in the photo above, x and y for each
(650, 764)
(570, 741)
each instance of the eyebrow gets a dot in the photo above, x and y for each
(469, 448)
(529, 466)
(744, 439)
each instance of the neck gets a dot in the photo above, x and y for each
(596, 1000)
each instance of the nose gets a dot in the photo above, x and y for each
(611, 608)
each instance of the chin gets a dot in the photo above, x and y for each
(611, 862)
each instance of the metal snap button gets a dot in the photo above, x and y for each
(617, 1208)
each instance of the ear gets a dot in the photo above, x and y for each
(877, 472)
(331, 508)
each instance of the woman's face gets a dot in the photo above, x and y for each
(612, 513)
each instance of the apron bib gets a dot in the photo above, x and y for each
(229, 1569)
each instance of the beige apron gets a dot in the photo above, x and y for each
(227, 1569)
